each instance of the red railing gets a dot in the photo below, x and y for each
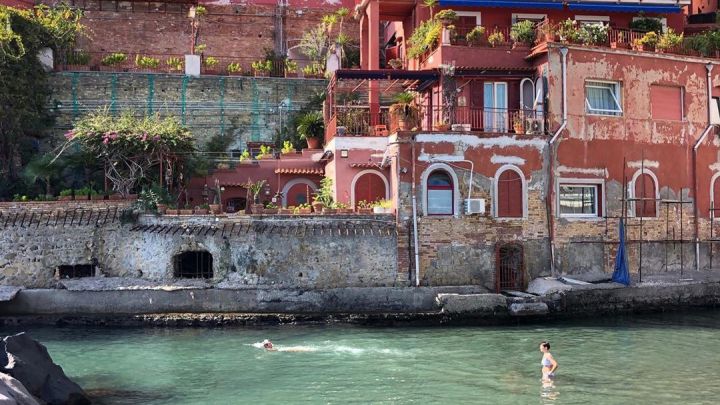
(357, 120)
(496, 120)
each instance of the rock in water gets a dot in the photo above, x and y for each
(12, 392)
(29, 362)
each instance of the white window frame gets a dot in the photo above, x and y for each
(527, 16)
(662, 20)
(524, 197)
(522, 94)
(476, 14)
(616, 94)
(456, 190)
(631, 193)
(593, 19)
(599, 207)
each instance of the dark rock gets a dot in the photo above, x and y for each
(13, 392)
(29, 362)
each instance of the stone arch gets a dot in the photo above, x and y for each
(656, 191)
(496, 183)
(294, 182)
(423, 186)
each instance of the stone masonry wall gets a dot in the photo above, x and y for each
(243, 108)
(311, 252)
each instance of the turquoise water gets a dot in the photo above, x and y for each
(663, 359)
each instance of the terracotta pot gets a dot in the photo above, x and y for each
(115, 197)
(65, 198)
(172, 211)
(365, 210)
(285, 211)
(329, 211)
(161, 208)
(259, 73)
(304, 211)
(257, 209)
(215, 208)
(201, 211)
(291, 74)
(97, 197)
(318, 206)
(313, 143)
(345, 211)
(270, 211)
(518, 128)
(185, 212)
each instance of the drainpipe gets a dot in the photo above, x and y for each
(414, 209)
(551, 161)
(710, 126)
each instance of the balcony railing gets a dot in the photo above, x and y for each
(358, 121)
(500, 36)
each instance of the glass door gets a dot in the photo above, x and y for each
(495, 113)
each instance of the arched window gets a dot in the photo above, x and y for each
(509, 194)
(644, 190)
(715, 196)
(440, 199)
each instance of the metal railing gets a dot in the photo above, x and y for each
(358, 121)
(501, 36)
(483, 119)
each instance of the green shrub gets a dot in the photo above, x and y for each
(78, 57)
(523, 32)
(446, 15)
(496, 38)
(175, 64)
(476, 35)
(146, 62)
(234, 67)
(593, 34)
(114, 59)
(646, 24)
(424, 38)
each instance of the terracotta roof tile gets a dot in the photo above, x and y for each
(306, 170)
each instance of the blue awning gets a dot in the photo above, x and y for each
(546, 4)
(626, 8)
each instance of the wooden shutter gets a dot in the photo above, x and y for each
(666, 103)
(510, 197)
(645, 188)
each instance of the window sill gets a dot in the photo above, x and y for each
(581, 218)
(587, 113)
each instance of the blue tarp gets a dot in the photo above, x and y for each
(621, 274)
(559, 5)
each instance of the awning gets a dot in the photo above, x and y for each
(626, 8)
(556, 5)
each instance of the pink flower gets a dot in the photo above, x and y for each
(156, 138)
(69, 135)
(144, 137)
(106, 141)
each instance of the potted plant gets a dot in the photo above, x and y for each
(203, 209)
(313, 70)
(618, 41)
(146, 63)
(255, 189)
(66, 195)
(286, 211)
(270, 208)
(523, 33)
(496, 38)
(210, 64)
(84, 193)
(441, 125)
(113, 59)
(363, 207)
(172, 210)
(331, 210)
(382, 207)
(311, 127)
(262, 68)
(78, 60)
(287, 148)
(234, 69)
(291, 68)
(175, 64)
(518, 122)
(669, 40)
(446, 17)
(265, 152)
(567, 31)
(186, 210)
(303, 209)
(396, 63)
(343, 208)
(648, 41)
(323, 197)
(405, 110)
(476, 36)
(593, 34)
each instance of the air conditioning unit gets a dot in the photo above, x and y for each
(534, 126)
(475, 206)
(461, 127)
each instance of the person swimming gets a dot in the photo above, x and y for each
(267, 345)
(548, 363)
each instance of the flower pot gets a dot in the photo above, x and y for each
(344, 211)
(304, 211)
(270, 211)
(288, 74)
(285, 211)
(378, 210)
(365, 210)
(313, 143)
(318, 206)
(185, 212)
(257, 209)
(329, 211)
(518, 128)
(65, 198)
(260, 73)
(97, 197)
(215, 209)
(172, 211)
(201, 211)
(161, 208)
(115, 197)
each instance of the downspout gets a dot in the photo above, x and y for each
(551, 161)
(414, 208)
(705, 133)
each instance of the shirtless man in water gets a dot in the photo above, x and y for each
(268, 346)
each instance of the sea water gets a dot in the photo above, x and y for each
(655, 359)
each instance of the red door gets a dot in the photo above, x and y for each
(369, 187)
(645, 190)
(298, 194)
(510, 197)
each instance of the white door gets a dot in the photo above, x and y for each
(495, 113)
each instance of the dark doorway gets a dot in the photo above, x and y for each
(196, 264)
(76, 271)
(509, 267)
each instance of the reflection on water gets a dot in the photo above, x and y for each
(643, 360)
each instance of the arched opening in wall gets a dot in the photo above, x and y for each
(509, 195)
(645, 196)
(299, 193)
(440, 198)
(509, 267)
(235, 205)
(194, 264)
(715, 198)
(369, 187)
(76, 271)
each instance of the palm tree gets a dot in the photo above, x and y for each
(431, 4)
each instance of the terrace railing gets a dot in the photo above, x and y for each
(481, 119)
(357, 120)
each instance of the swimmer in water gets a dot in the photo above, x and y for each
(549, 365)
(267, 345)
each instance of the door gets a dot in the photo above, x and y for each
(495, 114)
(370, 188)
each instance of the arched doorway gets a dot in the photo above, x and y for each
(509, 267)
(193, 264)
(298, 191)
(369, 186)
